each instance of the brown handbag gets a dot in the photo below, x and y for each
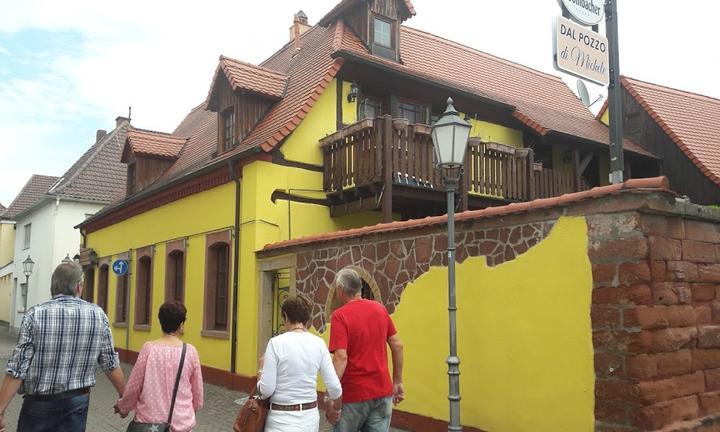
(251, 417)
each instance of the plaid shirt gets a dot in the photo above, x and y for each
(60, 346)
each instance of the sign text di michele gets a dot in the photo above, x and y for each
(580, 51)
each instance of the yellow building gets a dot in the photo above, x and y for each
(329, 133)
(7, 249)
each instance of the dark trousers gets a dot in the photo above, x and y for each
(65, 415)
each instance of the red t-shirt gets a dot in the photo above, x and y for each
(362, 327)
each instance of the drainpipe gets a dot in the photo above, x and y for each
(236, 255)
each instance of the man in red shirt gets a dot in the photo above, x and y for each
(359, 330)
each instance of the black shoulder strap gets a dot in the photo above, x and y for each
(177, 383)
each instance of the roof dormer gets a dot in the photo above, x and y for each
(376, 22)
(241, 94)
(148, 155)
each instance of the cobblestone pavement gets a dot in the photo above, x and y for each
(218, 413)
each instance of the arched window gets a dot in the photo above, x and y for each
(121, 298)
(217, 284)
(175, 276)
(368, 291)
(102, 293)
(89, 285)
(143, 297)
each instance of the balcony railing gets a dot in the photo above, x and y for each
(358, 155)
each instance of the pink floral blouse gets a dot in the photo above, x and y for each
(150, 386)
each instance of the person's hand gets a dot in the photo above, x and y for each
(2, 422)
(332, 415)
(398, 393)
(117, 411)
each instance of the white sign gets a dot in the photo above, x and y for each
(588, 12)
(581, 52)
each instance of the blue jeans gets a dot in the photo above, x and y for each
(367, 416)
(66, 415)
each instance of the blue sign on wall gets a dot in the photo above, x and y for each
(120, 267)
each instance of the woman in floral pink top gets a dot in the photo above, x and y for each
(149, 389)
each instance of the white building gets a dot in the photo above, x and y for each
(48, 208)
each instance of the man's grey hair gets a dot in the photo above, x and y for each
(65, 279)
(349, 281)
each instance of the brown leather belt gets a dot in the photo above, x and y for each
(58, 396)
(297, 407)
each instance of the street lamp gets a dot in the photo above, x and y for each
(450, 137)
(28, 265)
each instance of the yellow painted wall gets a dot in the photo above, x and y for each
(349, 109)
(562, 159)
(525, 339)
(192, 217)
(605, 118)
(491, 132)
(7, 243)
(5, 297)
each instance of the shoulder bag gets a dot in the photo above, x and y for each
(251, 417)
(161, 427)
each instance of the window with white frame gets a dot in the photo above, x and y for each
(27, 231)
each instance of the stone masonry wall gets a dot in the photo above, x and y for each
(656, 322)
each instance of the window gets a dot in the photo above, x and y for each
(143, 297)
(370, 107)
(175, 276)
(89, 286)
(229, 128)
(217, 284)
(382, 34)
(131, 179)
(103, 275)
(121, 300)
(410, 111)
(27, 233)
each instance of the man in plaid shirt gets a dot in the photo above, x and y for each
(61, 344)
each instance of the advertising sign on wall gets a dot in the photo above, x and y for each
(581, 52)
(588, 12)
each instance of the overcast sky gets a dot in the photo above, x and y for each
(70, 67)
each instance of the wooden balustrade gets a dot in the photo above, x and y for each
(356, 156)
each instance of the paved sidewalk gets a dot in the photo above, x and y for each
(217, 415)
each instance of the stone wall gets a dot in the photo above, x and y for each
(656, 322)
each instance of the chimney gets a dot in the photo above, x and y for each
(300, 26)
(100, 134)
(120, 120)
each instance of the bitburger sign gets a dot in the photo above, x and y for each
(580, 51)
(588, 12)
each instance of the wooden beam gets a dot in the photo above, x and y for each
(363, 204)
(387, 142)
(576, 169)
(585, 162)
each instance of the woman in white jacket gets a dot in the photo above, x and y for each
(289, 372)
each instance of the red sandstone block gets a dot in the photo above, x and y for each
(663, 248)
(682, 271)
(672, 388)
(698, 251)
(709, 337)
(671, 293)
(604, 275)
(682, 316)
(709, 272)
(646, 317)
(702, 231)
(628, 248)
(712, 379)
(709, 403)
(634, 273)
(715, 307)
(704, 315)
(625, 295)
(675, 363)
(673, 339)
(611, 412)
(706, 359)
(641, 367)
(605, 317)
(658, 271)
(608, 365)
(703, 292)
(664, 413)
(654, 224)
(612, 390)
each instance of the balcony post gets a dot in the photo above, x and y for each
(387, 143)
(576, 169)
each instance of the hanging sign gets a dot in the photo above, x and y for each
(588, 12)
(581, 52)
(120, 267)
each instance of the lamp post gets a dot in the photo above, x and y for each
(450, 137)
(28, 265)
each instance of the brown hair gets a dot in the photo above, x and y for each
(296, 309)
(171, 314)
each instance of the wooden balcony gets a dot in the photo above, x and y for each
(365, 161)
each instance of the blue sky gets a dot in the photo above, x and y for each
(69, 68)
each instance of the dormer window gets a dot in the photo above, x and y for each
(229, 128)
(383, 33)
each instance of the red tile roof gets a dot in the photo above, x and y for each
(542, 101)
(633, 185)
(155, 144)
(691, 120)
(250, 78)
(31, 194)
